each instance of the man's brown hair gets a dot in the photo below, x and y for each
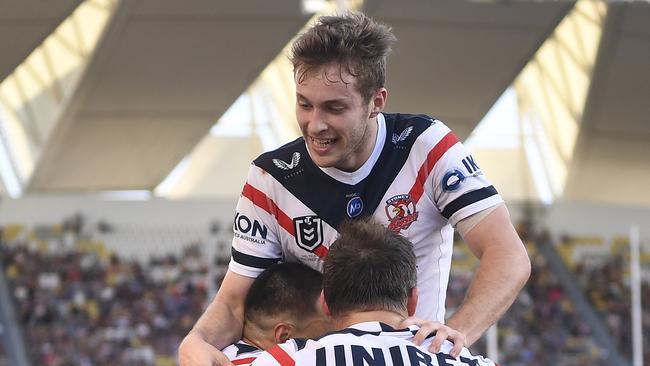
(357, 43)
(368, 267)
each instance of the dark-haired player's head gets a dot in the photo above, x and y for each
(370, 268)
(283, 303)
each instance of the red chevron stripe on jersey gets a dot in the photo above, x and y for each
(321, 251)
(281, 356)
(432, 158)
(262, 201)
(244, 361)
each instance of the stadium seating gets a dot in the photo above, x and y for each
(80, 306)
(84, 304)
(543, 318)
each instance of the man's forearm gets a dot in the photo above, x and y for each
(497, 282)
(216, 329)
(220, 325)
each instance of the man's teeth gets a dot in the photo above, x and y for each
(321, 142)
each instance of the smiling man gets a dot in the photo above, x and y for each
(408, 172)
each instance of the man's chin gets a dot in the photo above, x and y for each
(324, 163)
(321, 160)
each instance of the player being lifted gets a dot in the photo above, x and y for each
(282, 303)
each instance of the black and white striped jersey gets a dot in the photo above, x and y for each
(419, 181)
(241, 353)
(370, 343)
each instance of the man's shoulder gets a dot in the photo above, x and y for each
(368, 333)
(242, 352)
(284, 157)
(282, 354)
(392, 346)
(409, 118)
(399, 126)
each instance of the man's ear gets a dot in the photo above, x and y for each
(412, 301)
(323, 305)
(282, 332)
(378, 102)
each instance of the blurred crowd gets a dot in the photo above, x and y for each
(78, 308)
(3, 355)
(543, 328)
(606, 286)
(84, 307)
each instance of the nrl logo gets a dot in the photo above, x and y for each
(402, 136)
(295, 159)
(309, 232)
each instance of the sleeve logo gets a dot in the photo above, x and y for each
(295, 159)
(452, 180)
(470, 165)
(249, 229)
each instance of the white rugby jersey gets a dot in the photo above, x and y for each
(241, 353)
(419, 182)
(370, 343)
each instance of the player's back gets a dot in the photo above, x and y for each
(370, 343)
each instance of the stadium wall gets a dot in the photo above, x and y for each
(572, 218)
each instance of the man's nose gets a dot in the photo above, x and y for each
(318, 121)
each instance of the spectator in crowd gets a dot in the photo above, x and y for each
(79, 308)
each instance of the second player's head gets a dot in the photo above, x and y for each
(370, 268)
(283, 303)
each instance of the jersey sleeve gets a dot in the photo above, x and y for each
(241, 354)
(255, 244)
(279, 355)
(459, 187)
(230, 352)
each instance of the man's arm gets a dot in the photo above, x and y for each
(220, 325)
(503, 270)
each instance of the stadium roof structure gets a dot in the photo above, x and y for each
(24, 25)
(161, 73)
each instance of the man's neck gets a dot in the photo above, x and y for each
(363, 152)
(371, 138)
(387, 317)
(256, 337)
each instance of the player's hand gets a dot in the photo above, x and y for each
(442, 333)
(195, 351)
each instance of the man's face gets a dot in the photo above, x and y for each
(335, 121)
